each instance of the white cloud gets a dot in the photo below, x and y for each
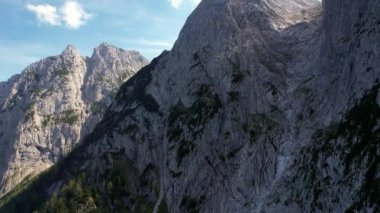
(153, 43)
(45, 13)
(71, 14)
(175, 3)
(178, 3)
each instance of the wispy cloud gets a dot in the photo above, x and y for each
(150, 48)
(71, 14)
(178, 3)
(45, 13)
(152, 43)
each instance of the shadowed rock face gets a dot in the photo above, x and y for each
(48, 109)
(261, 106)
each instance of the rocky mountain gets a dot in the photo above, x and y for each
(48, 109)
(261, 106)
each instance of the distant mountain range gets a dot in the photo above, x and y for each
(49, 108)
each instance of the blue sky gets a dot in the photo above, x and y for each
(34, 29)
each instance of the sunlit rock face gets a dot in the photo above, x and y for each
(48, 109)
(261, 106)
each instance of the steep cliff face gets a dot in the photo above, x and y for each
(338, 168)
(261, 106)
(53, 104)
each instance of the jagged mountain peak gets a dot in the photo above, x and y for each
(70, 50)
(233, 119)
(105, 50)
(47, 109)
(105, 46)
(110, 52)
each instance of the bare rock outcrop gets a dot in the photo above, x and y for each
(49, 108)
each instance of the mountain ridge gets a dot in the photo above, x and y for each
(43, 108)
(243, 115)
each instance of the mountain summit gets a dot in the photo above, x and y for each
(261, 106)
(48, 109)
(70, 50)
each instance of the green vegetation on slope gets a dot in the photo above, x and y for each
(355, 141)
(70, 117)
(116, 176)
(117, 189)
(192, 120)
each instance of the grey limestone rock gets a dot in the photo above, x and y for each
(261, 106)
(48, 109)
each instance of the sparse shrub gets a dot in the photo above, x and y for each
(62, 73)
(69, 117)
(184, 149)
(233, 96)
